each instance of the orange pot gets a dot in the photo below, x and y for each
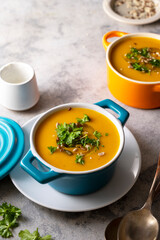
(134, 93)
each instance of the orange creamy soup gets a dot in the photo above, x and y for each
(137, 58)
(77, 139)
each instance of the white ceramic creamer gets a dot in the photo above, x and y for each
(18, 86)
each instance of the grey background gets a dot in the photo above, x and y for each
(62, 40)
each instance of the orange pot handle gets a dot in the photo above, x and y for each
(110, 35)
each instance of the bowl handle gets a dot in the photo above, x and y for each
(123, 114)
(42, 177)
(110, 35)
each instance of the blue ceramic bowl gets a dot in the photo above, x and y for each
(70, 182)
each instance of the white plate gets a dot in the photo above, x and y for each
(126, 173)
(107, 6)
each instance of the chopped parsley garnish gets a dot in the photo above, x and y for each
(139, 67)
(135, 53)
(144, 52)
(143, 59)
(130, 55)
(52, 149)
(79, 159)
(155, 62)
(91, 141)
(106, 134)
(73, 137)
(68, 134)
(84, 119)
(97, 134)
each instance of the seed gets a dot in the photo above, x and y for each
(75, 149)
(101, 154)
(137, 9)
(84, 149)
(68, 152)
(57, 124)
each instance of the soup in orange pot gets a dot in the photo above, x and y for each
(137, 58)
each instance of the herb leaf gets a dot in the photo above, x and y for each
(9, 210)
(52, 149)
(145, 52)
(139, 67)
(93, 142)
(84, 119)
(106, 134)
(145, 59)
(97, 134)
(5, 229)
(79, 159)
(10, 214)
(68, 134)
(74, 135)
(155, 62)
(134, 53)
(26, 235)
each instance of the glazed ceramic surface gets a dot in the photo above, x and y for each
(11, 145)
(125, 175)
(138, 94)
(109, 9)
(18, 86)
(71, 182)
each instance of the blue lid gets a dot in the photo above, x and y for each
(11, 145)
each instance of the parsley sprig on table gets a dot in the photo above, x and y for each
(26, 235)
(9, 215)
(73, 135)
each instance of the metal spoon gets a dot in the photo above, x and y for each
(112, 228)
(141, 224)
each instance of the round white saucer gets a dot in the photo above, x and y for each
(126, 173)
(107, 6)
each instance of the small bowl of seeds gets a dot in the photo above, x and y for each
(136, 12)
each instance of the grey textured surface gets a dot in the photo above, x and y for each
(62, 41)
